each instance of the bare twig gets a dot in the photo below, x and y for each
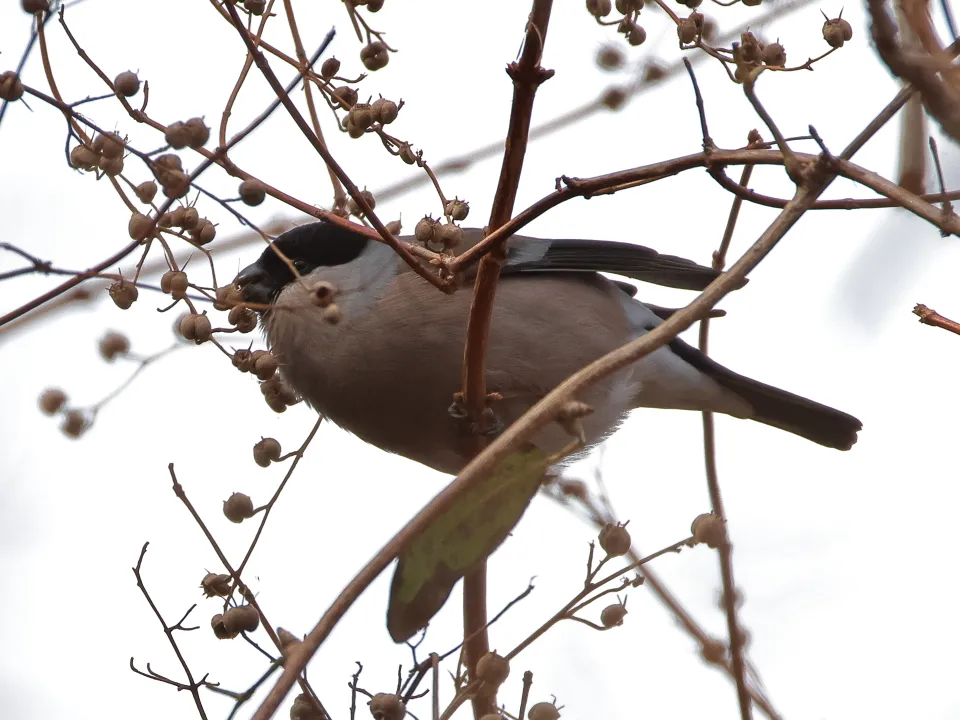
(932, 317)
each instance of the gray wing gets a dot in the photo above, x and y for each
(527, 254)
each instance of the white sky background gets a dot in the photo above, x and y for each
(847, 560)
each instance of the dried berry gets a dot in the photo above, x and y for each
(127, 83)
(204, 232)
(139, 226)
(243, 318)
(35, 6)
(361, 116)
(374, 5)
(345, 97)
(51, 400)
(146, 191)
(713, 651)
(612, 615)
(543, 711)
(199, 133)
(175, 184)
(266, 451)
(457, 209)
(599, 8)
(123, 293)
(252, 192)
(774, 54)
(243, 360)
(385, 111)
(255, 7)
(750, 47)
(168, 161)
(374, 56)
(75, 423)
(214, 585)
(113, 344)
(227, 297)
(687, 31)
(241, 619)
(493, 669)
(353, 207)
(177, 135)
(615, 540)
(189, 218)
(407, 154)
(609, 57)
(614, 98)
(329, 68)
(11, 88)
(216, 622)
(636, 35)
(448, 235)
(111, 166)
(394, 227)
(425, 230)
(836, 32)
(708, 529)
(174, 282)
(84, 158)
(265, 366)
(387, 706)
(626, 7)
(238, 507)
(303, 708)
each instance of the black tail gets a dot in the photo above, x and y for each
(776, 407)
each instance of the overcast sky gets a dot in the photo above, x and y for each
(846, 560)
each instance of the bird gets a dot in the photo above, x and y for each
(387, 368)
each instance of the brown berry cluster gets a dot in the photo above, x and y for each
(201, 229)
(104, 154)
(750, 54)
(74, 423)
(368, 117)
(629, 27)
(192, 133)
(168, 169)
(437, 236)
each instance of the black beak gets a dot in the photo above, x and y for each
(255, 284)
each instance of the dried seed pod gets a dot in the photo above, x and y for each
(774, 54)
(385, 111)
(204, 232)
(709, 30)
(266, 451)
(374, 5)
(238, 507)
(174, 282)
(265, 366)
(543, 711)
(361, 115)
(139, 225)
(375, 56)
(214, 585)
(609, 57)
(187, 326)
(227, 297)
(255, 7)
(750, 47)
(252, 192)
(687, 31)
(353, 207)
(614, 98)
(613, 615)
(836, 31)
(189, 218)
(394, 227)
(111, 166)
(407, 154)
(177, 135)
(127, 83)
(216, 622)
(692, 4)
(84, 158)
(168, 161)
(123, 293)
(202, 329)
(303, 708)
(176, 216)
(11, 89)
(636, 35)
(241, 619)
(113, 344)
(75, 423)
(243, 318)
(425, 230)
(199, 132)
(35, 6)
(708, 529)
(146, 191)
(345, 97)
(457, 209)
(329, 68)
(109, 145)
(243, 360)
(448, 235)
(599, 8)
(615, 540)
(626, 7)
(175, 184)
(387, 706)
(51, 400)
(493, 669)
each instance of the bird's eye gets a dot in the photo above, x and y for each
(300, 265)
